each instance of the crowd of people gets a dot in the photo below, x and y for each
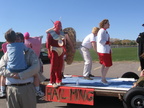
(21, 67)
(20, 72)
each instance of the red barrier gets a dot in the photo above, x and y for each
(75, 95)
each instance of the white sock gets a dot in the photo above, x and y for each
(3, 88)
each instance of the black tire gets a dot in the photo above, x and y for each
(130, 75)
(134, 98)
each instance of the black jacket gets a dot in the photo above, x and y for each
(140, 41)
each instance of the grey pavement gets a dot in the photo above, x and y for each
(76, 68)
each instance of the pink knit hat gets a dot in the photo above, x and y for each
(26, 35)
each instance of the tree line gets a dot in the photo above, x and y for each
(115, 41)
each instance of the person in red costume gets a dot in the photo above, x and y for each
(4, 47)
(56, 49)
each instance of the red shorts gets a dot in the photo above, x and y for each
(105, 59)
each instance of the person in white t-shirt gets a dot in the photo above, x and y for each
(104, 49)
(88, 43)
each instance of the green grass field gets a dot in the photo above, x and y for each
(118, 54)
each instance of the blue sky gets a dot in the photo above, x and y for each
(34, 16)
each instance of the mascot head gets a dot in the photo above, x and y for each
(26, 35)
(57, 26)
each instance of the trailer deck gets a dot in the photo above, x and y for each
(115, 86)
(77, 90)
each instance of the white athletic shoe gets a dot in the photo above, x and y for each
(49, 84)
(59, 84)
(2, 94)
(39, 93)
(55, 85)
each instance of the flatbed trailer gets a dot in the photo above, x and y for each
(77, 90)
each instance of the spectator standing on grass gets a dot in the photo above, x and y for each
(104, 49)
(88, 42)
